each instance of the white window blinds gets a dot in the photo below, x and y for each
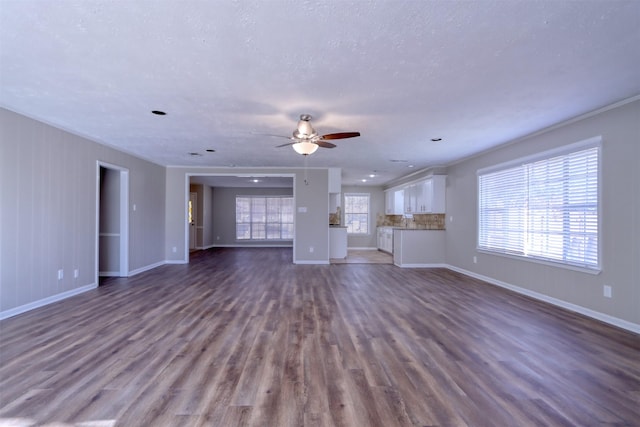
(356, 213)
(264, 218)
(545, 209)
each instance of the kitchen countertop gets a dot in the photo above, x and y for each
(411, 229)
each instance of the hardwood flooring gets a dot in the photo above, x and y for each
(364, 256)
(244, 337)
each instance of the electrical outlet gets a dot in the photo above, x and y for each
(60, 274)
(607, 291)
(174, 249)
(475, 259)
(76, 273)
(311, 249)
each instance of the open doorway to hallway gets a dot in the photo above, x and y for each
(112, 221)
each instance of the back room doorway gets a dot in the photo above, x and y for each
(112, 221)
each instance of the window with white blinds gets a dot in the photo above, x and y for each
(544, 209)
(264, 217)
(356, 213)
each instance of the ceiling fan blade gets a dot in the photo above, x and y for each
(270, 134)
(340, 135)
(325, 144)
(288, 143)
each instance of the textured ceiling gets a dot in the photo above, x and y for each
(474, 73)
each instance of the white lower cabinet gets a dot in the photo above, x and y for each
(337, 242)
(385, 239)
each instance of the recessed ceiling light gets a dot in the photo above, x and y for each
(436, 139)
(410, 166)
(255, 180)
(372, 175)
(398, 161)
(210, 150)
(159, 113)
(364, 180)
(195, 154)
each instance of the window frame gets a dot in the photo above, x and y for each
(368, 213)
(594, 142)
(266, 223)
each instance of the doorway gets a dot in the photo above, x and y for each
(112, 221)
(193, 220)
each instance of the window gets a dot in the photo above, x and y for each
(545, 208)
(264, 217)
(356, 213)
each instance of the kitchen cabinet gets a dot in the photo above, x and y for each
(410, 198)
(335, 180)
(337, 242)
(334, 202)
(426, 196)
(433, 195)
(394, 201)
(385, 239)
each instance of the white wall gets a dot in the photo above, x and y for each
(620, 232)
(48, 196)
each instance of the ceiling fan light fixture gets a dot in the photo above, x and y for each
(305, 148)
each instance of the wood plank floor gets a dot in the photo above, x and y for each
(364, 256)
(244, 337)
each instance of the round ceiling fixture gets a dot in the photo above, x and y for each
(159, 113)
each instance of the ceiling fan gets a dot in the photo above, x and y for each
(306, 140)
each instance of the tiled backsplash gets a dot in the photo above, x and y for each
(334, 218)
(419, 221)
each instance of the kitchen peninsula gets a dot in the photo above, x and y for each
(418, 247)
(415, 241)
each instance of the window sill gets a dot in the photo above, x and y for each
(592, 271)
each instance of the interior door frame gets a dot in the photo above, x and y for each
(123, 268)
(193, 226)
(187, 190)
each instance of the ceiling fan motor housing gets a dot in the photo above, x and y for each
(305, 130)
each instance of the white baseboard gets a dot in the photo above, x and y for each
(252, 246)
(367, 248)
(421, 265)
(109, 273)
(45, 301)
(146, 268)
(620, 323)
(312, 262)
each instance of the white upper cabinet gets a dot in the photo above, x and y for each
(411, 198)
(335, 180)
(394, 201)
(434, 195)
(424, 196)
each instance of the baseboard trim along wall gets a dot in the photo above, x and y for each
(421, 265)
(620, 323)
(45, 301)
(312, 262)
(146, 268)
